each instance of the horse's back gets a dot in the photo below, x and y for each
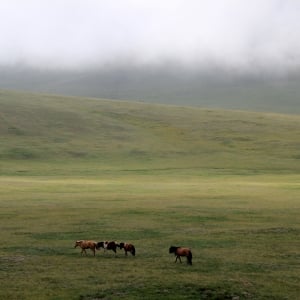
(181, 251)
(184, 251)
(92, 244)
(88, 244)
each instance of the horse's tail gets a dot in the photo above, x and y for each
(189, 258)
(133, 251)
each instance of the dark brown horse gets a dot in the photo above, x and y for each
(86, 245)
(127, 248)
(108, 246)
(181, 251)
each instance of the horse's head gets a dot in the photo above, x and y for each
(172, 249)
(121, 245)
(77, 243)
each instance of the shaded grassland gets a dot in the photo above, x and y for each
(224, 183)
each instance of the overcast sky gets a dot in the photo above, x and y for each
(235, 34)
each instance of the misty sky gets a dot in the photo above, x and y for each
(244, 36)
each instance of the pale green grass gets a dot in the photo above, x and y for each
(243, 231)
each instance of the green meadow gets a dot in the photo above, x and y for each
(224, 183)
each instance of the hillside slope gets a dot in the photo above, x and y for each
(129, 135)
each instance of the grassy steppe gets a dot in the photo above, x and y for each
(129, 135)
(225, 183)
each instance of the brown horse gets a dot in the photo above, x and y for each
(108, 246)
(127, 248)
(180, 251)
(86, 245)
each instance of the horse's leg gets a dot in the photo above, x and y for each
(179, 258)
(93, 249)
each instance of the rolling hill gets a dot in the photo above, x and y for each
(61, 131)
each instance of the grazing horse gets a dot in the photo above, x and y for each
(108, 246)
(127, 248)
(86, 245)
(180, 251)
